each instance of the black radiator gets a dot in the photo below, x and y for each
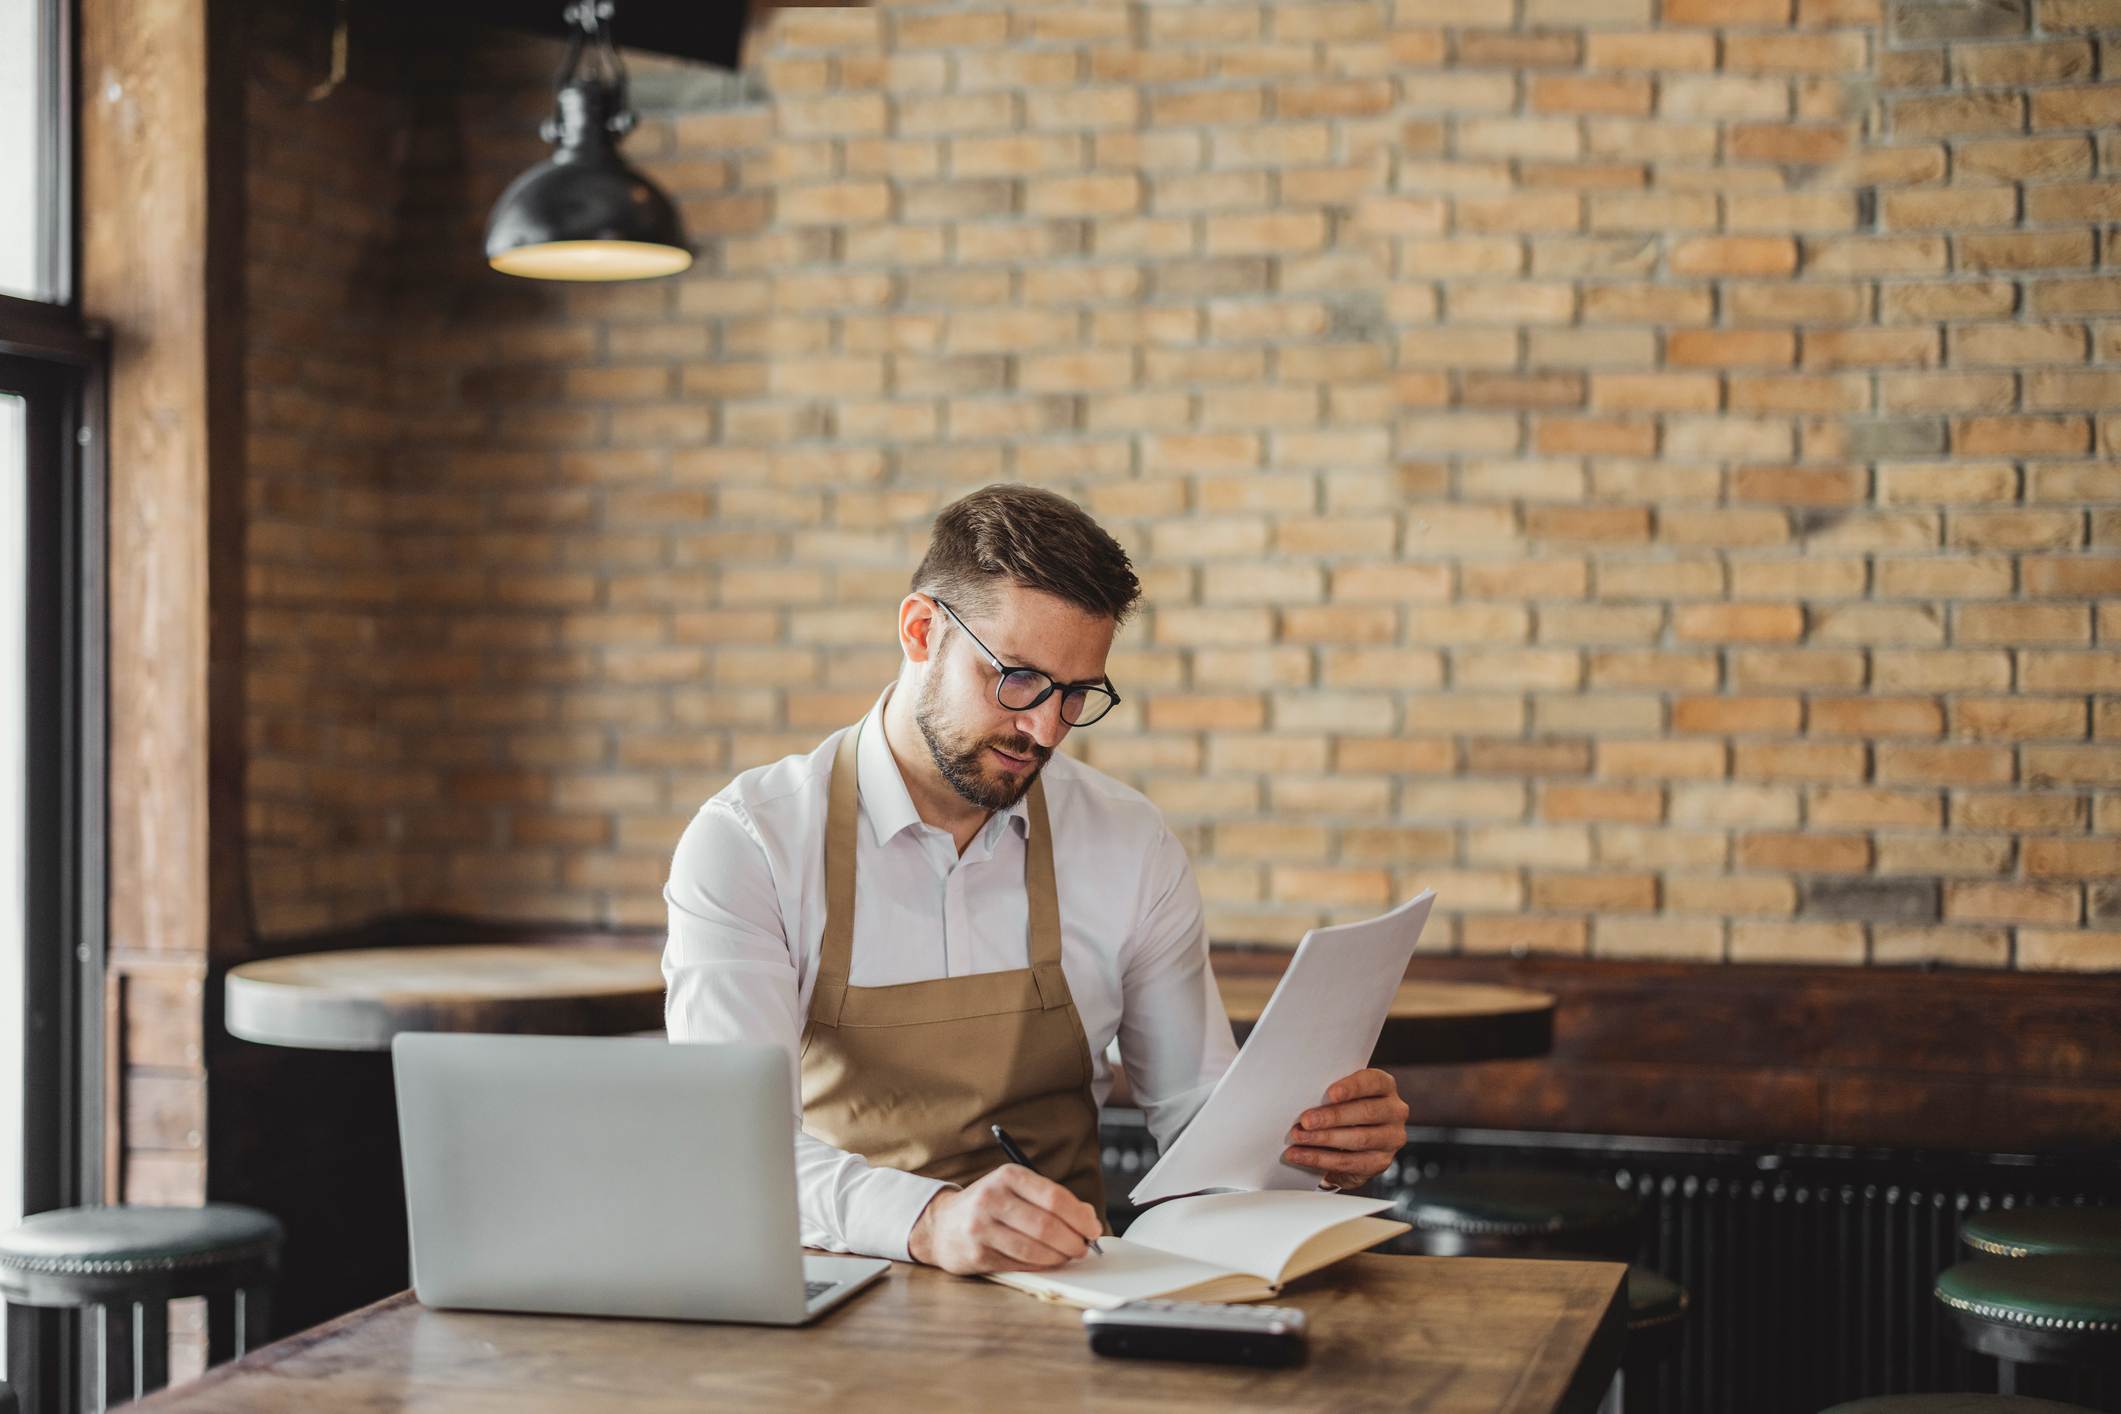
(1808, 1268)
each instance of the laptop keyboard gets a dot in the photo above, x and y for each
(812, 1290)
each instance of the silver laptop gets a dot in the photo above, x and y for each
(597, 1176)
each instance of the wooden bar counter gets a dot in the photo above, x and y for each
(1445, 1335)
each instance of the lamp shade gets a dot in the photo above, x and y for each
(584, 213)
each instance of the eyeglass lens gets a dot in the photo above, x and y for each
(1021, 687)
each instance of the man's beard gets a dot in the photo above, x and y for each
(963, 762)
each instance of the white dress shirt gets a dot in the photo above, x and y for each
(747, 912)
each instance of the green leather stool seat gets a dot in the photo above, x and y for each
(1654, 1300)
(2045, 1232)
(128, 1263)
(76, 1246)
(2051, 1310)
(1504, 1212)
(1956, 1404)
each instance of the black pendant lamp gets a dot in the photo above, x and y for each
(584, 214)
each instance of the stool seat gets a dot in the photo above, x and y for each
(1654, 1300)
(1524, 1207)
(1955, 1404)
(1510, 1203)
(2045, 1232)
(2043, 1293)
(122, 1266)
(2045, 1310)
(128, 1241)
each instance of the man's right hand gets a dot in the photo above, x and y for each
(1010, 1221)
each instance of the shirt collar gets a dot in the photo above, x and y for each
(885, 802)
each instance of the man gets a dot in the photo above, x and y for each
(947, 923)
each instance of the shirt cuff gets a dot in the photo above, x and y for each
(891, 1202)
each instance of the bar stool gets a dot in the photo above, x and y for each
(1657, 1308)
(2044, 1232)
(1564, 1216)
(1955, 1404)
(2044, 1310)
(128, 1263)
(1518, 1213)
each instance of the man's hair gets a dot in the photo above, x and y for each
(1031, 537)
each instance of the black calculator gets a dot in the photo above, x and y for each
(1199, 1330)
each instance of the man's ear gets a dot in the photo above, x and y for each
(917, 616)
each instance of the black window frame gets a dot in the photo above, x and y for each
(57, 361)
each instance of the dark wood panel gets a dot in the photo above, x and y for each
(1962, 1022)
(1641, 1098)
(1999, 1115)
(1945, 1059)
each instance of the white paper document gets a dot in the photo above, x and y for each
(1321, 1023)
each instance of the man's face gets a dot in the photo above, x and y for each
(989, 754)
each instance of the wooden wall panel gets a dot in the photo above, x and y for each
(1930, 1059)
(161, 159)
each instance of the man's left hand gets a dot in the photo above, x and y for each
(1355, 1135)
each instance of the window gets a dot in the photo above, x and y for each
(51, 671)
(14, 683)
(33, 180)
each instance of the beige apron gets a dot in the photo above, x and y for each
(911, 1075)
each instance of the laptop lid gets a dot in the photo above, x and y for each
(607, 1176)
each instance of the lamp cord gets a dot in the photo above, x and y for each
(324, 90)
(591, 35)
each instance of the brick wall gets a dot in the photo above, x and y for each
(1646, 473)
(325, 421)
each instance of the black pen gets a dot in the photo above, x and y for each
(1016, 1156)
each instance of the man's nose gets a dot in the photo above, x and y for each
(1043, 723)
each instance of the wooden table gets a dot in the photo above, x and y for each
(357, 999)
(1457, 1335)
(1430, 1022)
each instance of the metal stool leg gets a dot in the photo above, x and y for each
(256, 1303)
(236, 1322)
(118, 1369)
(151, 1319)
(26, 1326)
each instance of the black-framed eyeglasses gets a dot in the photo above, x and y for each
(1021, 689)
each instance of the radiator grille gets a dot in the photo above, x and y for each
(1808, 1268)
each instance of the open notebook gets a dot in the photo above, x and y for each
(1216, 1247)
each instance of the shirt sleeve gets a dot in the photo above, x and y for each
(730, 974)
(1174, 1035)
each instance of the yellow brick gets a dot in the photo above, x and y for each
(2007, 902)
(1622, 936)
(1797, 942)
(2089, 950)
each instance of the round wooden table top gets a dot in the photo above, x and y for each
(1431, 1022)
(356, 1000)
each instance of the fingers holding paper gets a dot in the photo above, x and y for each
(1355, 1134)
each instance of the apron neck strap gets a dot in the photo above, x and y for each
(842, 815)
(1043, 947)
(836, 949)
